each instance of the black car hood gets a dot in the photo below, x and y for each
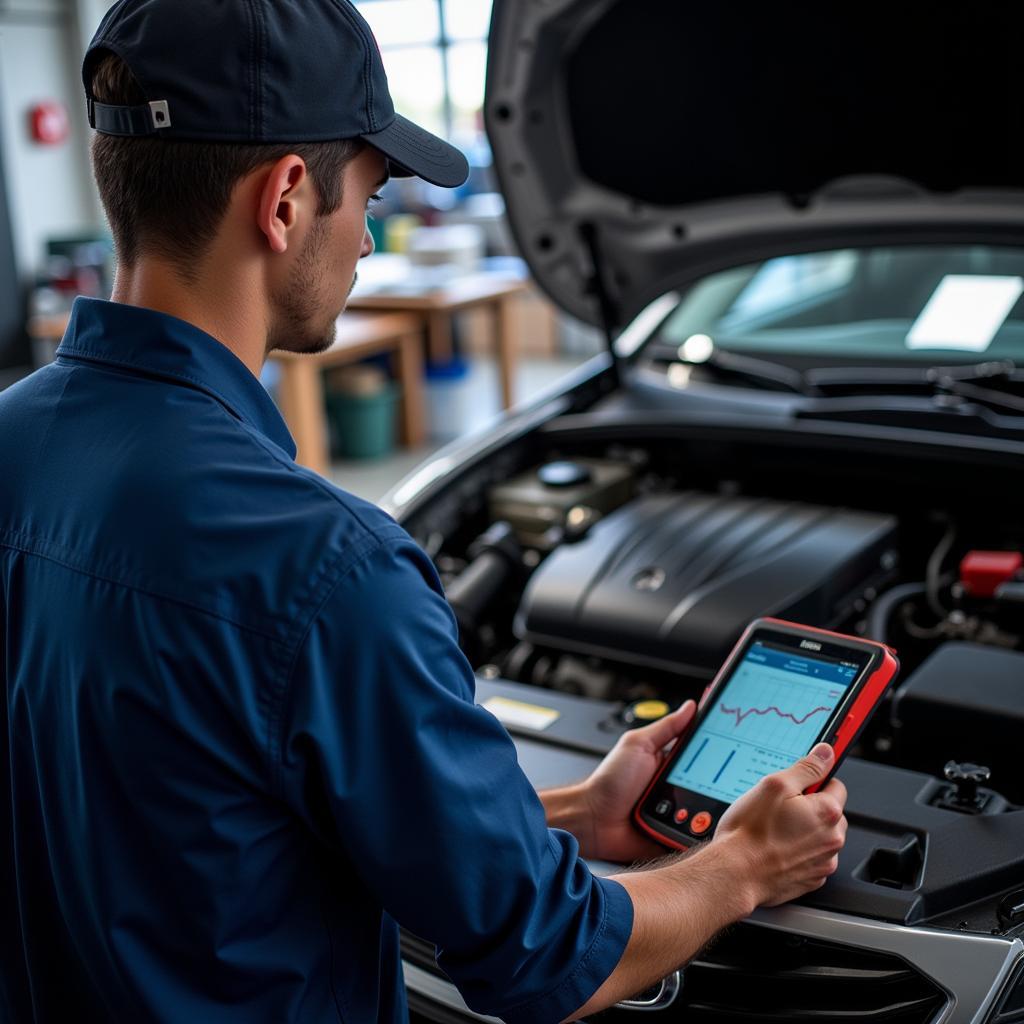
(641, 144)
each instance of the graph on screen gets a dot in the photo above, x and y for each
(742, 713)
(769, 714)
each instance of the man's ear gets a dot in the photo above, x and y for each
(280, 199)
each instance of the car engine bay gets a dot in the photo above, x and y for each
(609, 581)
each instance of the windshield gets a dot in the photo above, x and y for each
(927, 304)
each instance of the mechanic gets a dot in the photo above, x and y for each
(239, 741)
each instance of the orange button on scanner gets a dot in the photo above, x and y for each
(681, 815)
(701, 823)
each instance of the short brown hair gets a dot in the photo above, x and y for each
(167, 198)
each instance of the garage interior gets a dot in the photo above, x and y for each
(692, 346)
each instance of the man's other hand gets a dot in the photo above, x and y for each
(611, 792)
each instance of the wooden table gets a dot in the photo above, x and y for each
(437, 307)
(300, 391)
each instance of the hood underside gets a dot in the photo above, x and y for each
(642, 144)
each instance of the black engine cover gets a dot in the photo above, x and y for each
(672, 580)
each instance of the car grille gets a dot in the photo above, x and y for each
(759, 974)
(752, 973)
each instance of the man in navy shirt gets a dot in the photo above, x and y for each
(238, 744)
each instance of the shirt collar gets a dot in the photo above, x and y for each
(163, 346)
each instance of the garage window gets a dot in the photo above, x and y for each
(435, 54)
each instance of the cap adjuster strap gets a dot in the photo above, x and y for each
(144, 119)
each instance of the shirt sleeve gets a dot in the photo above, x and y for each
(384, 753)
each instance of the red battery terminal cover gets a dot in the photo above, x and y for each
(981, 572)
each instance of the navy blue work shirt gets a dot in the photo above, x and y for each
(239, 740)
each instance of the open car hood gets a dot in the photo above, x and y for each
(642, 144)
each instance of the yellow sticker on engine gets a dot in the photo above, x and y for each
(518, 713)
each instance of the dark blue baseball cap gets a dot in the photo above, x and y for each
(261, 71)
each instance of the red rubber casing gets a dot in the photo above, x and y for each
(881, 671)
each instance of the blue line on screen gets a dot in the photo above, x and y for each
(695, 756)
(725, 764)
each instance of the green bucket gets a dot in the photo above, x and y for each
(362, 426)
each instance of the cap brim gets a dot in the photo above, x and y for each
(414, 152)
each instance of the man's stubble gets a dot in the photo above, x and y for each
(300, 325)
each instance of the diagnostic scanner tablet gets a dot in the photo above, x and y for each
(783, 689)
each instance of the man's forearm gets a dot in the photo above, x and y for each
(678, 907)
(567, 808)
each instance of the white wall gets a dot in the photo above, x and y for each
(50, 188)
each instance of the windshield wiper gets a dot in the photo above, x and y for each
(971, 386)
(995, 384)
(991, 383)
(718, 362)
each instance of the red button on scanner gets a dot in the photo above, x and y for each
(701, 823)
(681, 815)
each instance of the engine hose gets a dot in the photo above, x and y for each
(885, 604)
(494, 559)
(934, 580)
(472, 591)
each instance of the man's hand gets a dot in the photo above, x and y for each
(790, 840)
(598, 811)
